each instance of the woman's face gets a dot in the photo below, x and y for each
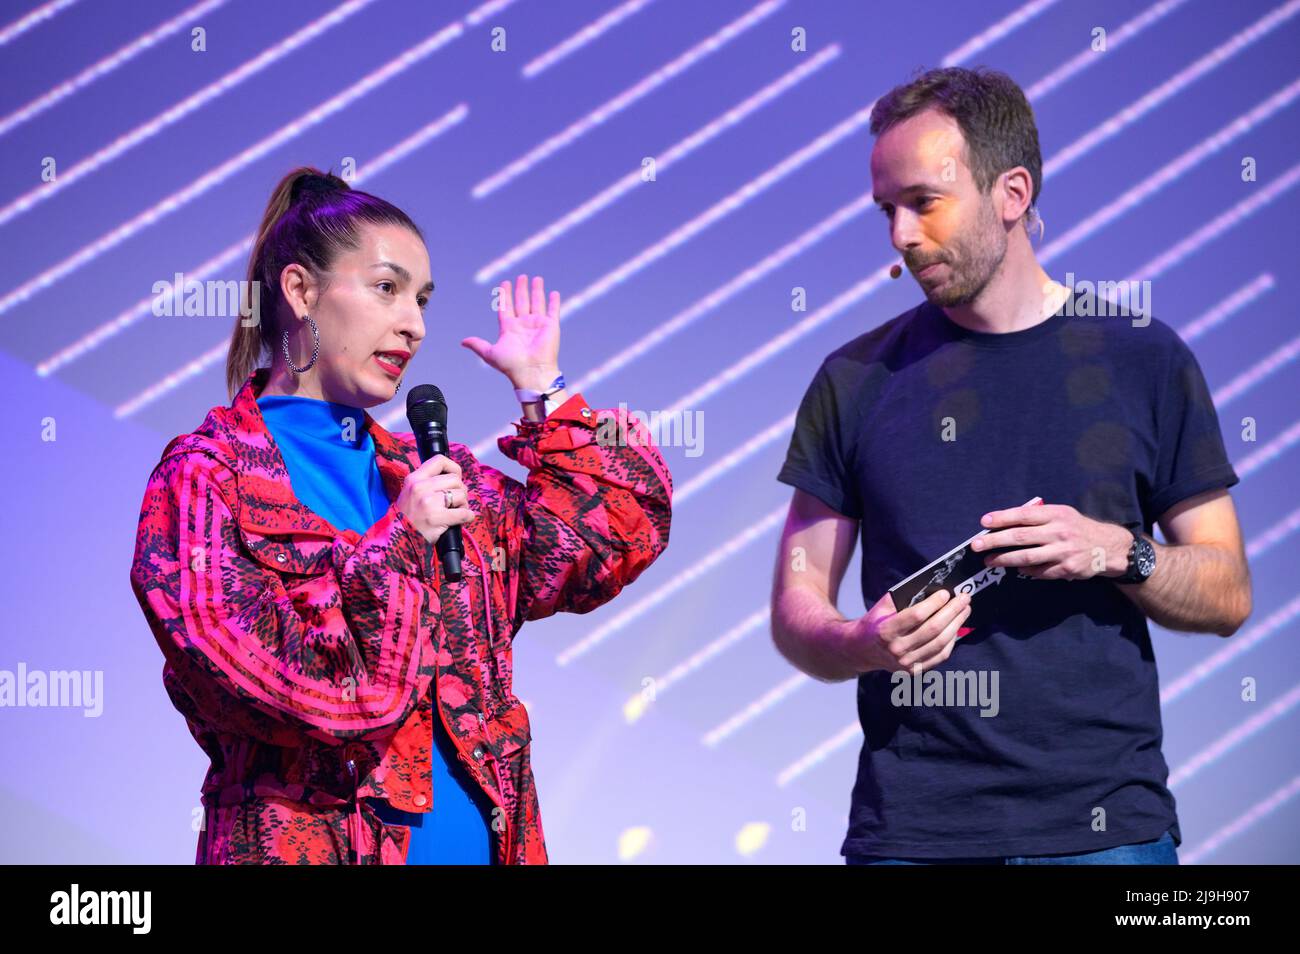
(372, 301)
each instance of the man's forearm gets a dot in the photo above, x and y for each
(812, 634)
(1196, 587)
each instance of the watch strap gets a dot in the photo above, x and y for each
(1133, 574)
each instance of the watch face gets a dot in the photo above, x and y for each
(1146, 558)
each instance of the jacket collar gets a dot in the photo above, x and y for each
(266, 499)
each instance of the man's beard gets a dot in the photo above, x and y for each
(972, 259)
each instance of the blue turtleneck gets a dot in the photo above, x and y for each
(330, 457)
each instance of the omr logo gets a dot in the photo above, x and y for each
(989, 576)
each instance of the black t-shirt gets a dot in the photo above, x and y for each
(1108, 416)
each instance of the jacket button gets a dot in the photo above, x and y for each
(478, 752)
(419, 800)
(281, 557)
(586, 412)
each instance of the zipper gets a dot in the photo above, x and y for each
(355, 837)
(496, 676)
(496, 771)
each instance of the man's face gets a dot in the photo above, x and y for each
(937, 215)
(373, 301)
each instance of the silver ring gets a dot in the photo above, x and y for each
(446, 499)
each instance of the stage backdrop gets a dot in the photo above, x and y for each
(679, 171)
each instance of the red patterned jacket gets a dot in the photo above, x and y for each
(303, 656)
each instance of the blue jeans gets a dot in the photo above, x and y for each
(1160, 851)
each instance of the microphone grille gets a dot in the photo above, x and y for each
(424, 404)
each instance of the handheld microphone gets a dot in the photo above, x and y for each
(427, 412)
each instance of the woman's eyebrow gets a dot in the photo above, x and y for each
(402, 273)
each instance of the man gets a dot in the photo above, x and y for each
(943, 421)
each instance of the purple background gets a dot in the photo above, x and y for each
(122, 787)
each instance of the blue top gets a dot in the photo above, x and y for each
(1108, 415)
(330, 457)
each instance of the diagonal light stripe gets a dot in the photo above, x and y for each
(1269, 452)
(625, 184)
(1242, 823)
(36, 17)
(584, 36)
(484, 11)
(769, 700)
(1227, 308)
(106, 65)
(819, 753)
(760, 355)
(142, 308)
(179, 111)
(1278, 358)
(215, 176)
(720, 209)
(1174, 170)
(756, 621)
(998, 31)
(1114, 40)
(1233, 648)
(1211, 230)
(679, 581)
(218, 352)
(1170, 88)
(735, 458)
(623, 100)
(1274, 535)
(1233, 738)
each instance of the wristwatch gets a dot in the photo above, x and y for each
(529, 396)
(1141, 560)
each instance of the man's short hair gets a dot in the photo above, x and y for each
(990, 109)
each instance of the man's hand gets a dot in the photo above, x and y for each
(1058, 542)
(914, 640)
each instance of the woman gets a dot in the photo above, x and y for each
(356, 705)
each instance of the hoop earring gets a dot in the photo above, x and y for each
(315, 351)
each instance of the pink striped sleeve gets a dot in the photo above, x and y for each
(594, 513)
(344, 668)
